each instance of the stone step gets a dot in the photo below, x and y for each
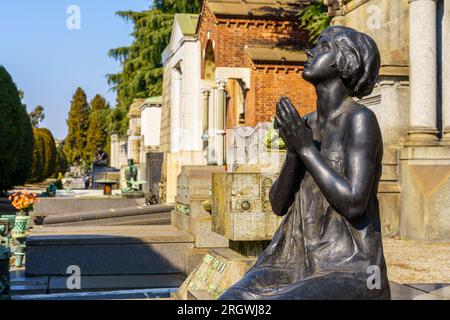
(139, 294)
(21, 285)
(162, 218)
(110, 216)
(107, 250)
(61, 205)
(108, 213)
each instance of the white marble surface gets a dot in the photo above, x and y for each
(423, 64)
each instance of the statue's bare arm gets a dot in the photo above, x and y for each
(348, 193)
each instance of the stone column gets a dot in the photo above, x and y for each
(423, 71)
(220, 126)
(114, 152)
(205, 121)
(175, 114)
(123, 152)
(446, 72)
(205, 106)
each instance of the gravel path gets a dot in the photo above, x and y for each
(416, 262)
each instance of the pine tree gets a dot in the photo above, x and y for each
(142, 70)
(15, 141)
(75, 146)
(98, 132)
(314, 18)
(37, 116)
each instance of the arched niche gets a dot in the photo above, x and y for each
(235, 103)
(209, 62)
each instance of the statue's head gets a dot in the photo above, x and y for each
(130, 162)
(345, 53)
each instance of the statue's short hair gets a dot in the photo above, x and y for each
(358, 59)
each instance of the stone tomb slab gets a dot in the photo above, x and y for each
(107, 250)
(58, 284)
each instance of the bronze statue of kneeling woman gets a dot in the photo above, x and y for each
(329, 244)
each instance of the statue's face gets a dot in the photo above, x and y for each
(321, 61)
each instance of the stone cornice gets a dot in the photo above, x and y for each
(264, 24)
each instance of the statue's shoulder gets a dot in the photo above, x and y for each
(358, 113)
(362, 119)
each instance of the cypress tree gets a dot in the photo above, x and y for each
(26, 146)
(75, 146)
(49, 153)
(98, 132)
(61, 161)
(15, 140)
(44, 155)
(37, 168)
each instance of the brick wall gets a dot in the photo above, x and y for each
(272, 82)
(269, 82)
(232, 35)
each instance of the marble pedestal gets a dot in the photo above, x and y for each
(425, 185)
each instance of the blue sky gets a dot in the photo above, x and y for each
(48, 61)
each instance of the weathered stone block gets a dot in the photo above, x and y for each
(194, 183)
(219, 270)
(389, 200)
(241, 206)
(193, 258)
(200, 227)
(180, 220)
(425, 184)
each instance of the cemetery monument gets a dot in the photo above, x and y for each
(327, 188)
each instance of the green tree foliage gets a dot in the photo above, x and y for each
(15, 141)
(75, 146)
(49, 153)
(37, 167)
(25, 148)
(178, 6)
(98, 132)
(44, 155)
(37, 116)
(142, 73)
(61, 162)
(314, 18)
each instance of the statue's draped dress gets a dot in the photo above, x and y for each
(317, 253)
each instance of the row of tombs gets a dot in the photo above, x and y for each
(228, 212)
(230, 218)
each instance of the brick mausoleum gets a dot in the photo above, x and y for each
(265, 40)
(224, 71)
